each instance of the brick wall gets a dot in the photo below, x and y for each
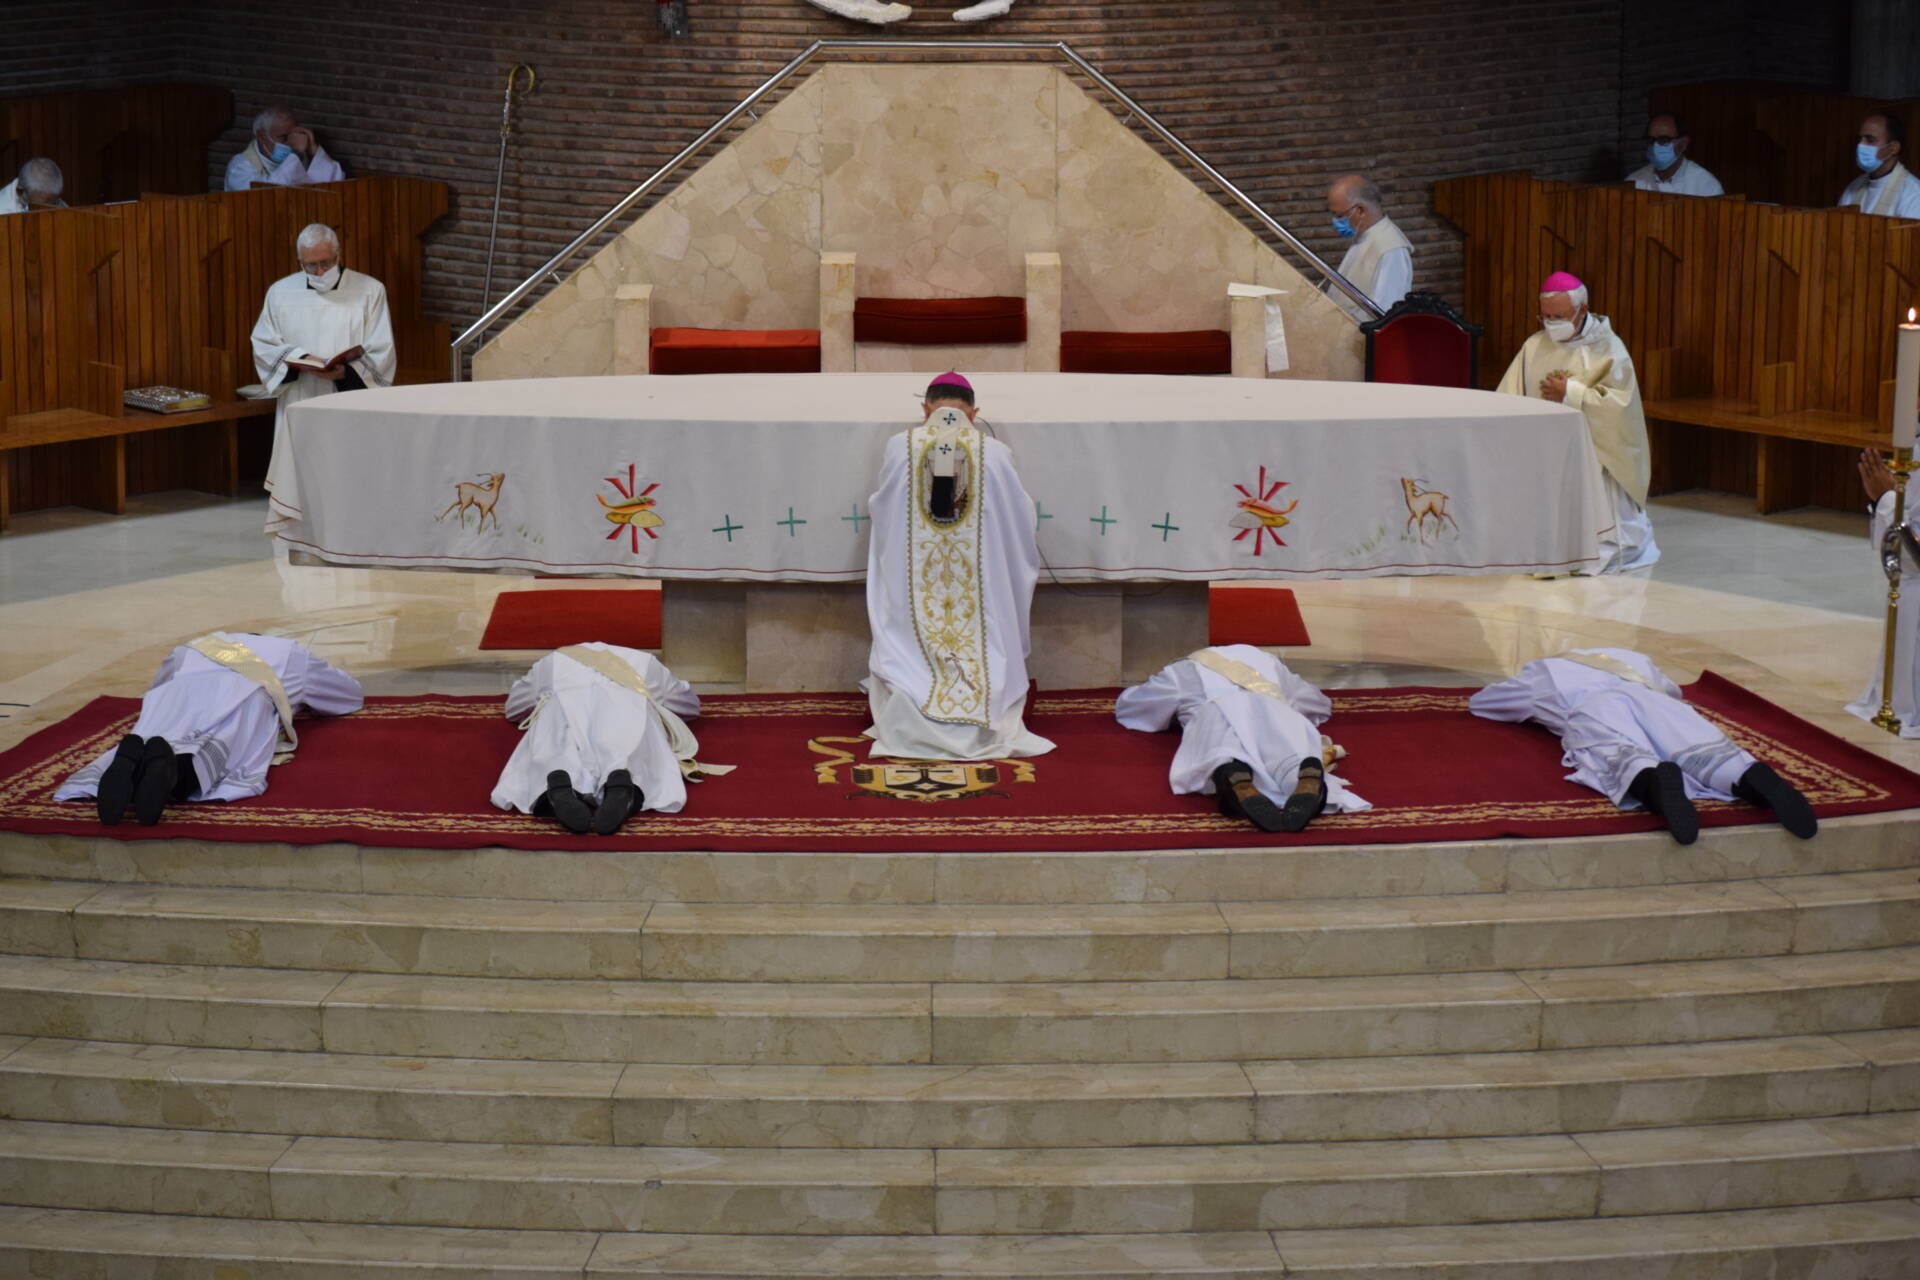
(1281, 95)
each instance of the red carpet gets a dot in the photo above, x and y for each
(1254, 615)
(415, 773)
(548, 619)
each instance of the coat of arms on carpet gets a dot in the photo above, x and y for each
(925, 781)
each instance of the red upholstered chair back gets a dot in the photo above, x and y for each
(1183, 351)
(1424, 342)
(934, 322)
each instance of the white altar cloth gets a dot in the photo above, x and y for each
(766, 476)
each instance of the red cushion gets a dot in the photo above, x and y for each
(1183, 351)
(1253, 615)
(1427, 351)
(734, 351)
(926, 322)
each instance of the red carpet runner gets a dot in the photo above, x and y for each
(416, 772)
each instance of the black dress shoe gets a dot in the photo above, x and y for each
(115, 792)
(568, 805)
(1663, 790)
(1303, 807)
(1234, 792)
(1762, 786)
(619, 800)
(159, 771)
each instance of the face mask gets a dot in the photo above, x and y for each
(1343, 227)
(327, 280)
(1559, 330)
(1867, 157)
(280, 153)
(1662, 155)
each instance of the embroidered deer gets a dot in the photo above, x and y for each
(1424, 503)
(481, 497)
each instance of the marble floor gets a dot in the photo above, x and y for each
(1788, 604)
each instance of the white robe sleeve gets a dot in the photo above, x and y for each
(1151, 705)
(526, 691)
(327, 690)
(323, 167)
(1508, 700)
(271, 350)
(240, 173)
(377, 364)
(1393, 279)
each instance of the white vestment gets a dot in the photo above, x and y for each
(1380, 262)
(1895, 196)
(10, 201)
(1615, 421)
(948, 606)
(227, 722)
(1688, 179)
(1221, 721)
(250, 167)
(1613, 726)
(300, 320)
(1906, 655)
(580, 720)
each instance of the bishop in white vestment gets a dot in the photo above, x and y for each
(219, 713)
(1885, 187)
(315, 314)
(951, 569)
(1241, 711)
(281, 154)
(1879, 480)
(605, 724)
(1628, 733)
(1578, 360)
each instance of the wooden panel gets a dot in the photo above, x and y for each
(114, 144)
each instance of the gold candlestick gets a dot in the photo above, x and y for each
(1902, 466)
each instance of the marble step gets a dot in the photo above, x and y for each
(890, 1023)
(1097, 1105)
(1287, 1186)
(381, 933)
(1874, 1240)
(1863, 842)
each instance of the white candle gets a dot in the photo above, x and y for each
(1906, 383)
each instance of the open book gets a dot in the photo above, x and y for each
(314, 364)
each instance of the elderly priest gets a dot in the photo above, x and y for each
(38, 186)
(323, 328)
(1576, 359)
(283, 153)
(950, 575)
(1380, 263)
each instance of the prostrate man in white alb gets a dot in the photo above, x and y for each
(282, 153)
(219, 713)
(950, 575)
(605, 737)
(1667, 169)
(1629, 734)
(1249, 735)
(1576, 359)
(1878, 480)
(1380, 261)
(38, 186)
(1884, 186)
(319, 313)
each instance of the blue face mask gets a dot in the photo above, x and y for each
(1662, 155)
(1867, 157)
(280, 153)
(1344, 228)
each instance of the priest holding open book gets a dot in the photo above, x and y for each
(323, 328)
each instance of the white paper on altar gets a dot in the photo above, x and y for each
(1277, 361)
(766, 476)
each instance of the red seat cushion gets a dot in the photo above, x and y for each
(734, 351)
(926, 322)
(1182, 351)
(1428, 351)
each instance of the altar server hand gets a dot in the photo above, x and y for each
(300, 138)
(1554, 387)
(331, 375)
(1875, 477)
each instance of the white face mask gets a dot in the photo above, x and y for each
(1560, 330)
(325, 280)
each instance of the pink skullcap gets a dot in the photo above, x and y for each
(950, 379)
(1560, 282)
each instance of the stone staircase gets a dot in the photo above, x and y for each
(1573, 1058)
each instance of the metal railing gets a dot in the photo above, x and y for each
(745, 107)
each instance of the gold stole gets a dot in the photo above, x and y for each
(944, 589)
(1613, 667)
(238, 658)
(1884, 202)
(621, 672)
(1238, 672)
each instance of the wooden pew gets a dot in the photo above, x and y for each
(1762, 336)
(114, 144)
(166, 290)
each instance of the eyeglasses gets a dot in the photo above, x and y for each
(1666, 137)
(321, 266)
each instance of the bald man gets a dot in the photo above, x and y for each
(1380, 262)
(283, 153)
(1884, 186)
(38, 187)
